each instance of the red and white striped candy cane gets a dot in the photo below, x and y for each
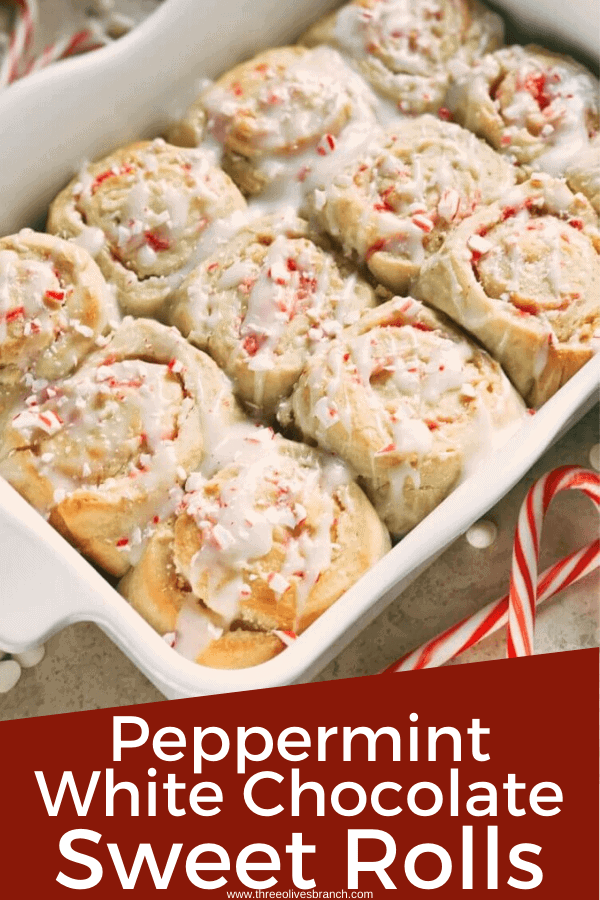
(80, 42)
(287, 638)
(473, 629)
(522, 594)
(21, 41)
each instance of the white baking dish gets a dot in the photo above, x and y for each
(84, 108)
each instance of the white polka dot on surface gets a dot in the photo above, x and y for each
(10, 672)
(595, 457)
(30, 657)
(482, 534)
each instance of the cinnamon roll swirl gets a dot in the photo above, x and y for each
(263, 303)
(394, 204)
(54, 307)
(103, 453)
(541, 109)
(409, 403)
(407, 49)
(149, 213)
(523, 276)
(284, 118)
(265, 545)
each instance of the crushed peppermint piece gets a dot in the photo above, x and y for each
(423, 222)
(194, 482)
(449, 204)
(49, 421)
(326, 145)
(279, 272)
(215, 631)
(277, 583)
(479, 245)
(319, 199)
(103, 373)
(222, 537)
(286, 637)
(300, 513)
(389, 448)
(84, 330)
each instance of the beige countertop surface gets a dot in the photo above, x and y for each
(82, 669)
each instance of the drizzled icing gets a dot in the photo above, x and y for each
(542, 265)
(105, 424)
(540, 108)
(53, 307)
(398, 390)
(523, 275)
(259, 531)
(292, 116)
(31, 303)
(405, 36)
(264, 302)
(405, 48)
(124, 429)
(409, 187)
(148, 214)
(302, 129)
(281, 101)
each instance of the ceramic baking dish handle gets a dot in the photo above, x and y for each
(45, 584)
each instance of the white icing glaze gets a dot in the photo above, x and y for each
(296, 117)
(407, 183)
(29, 291)
(150, 218)
(110, 428)
(552, 103)
(404, 393)
(261, 496)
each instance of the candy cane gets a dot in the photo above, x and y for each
(473, 629)
(522, 594)
(21, 40)
(15, 63)
(287, 638)
(80, 42)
